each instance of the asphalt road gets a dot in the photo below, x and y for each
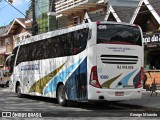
(47, 107)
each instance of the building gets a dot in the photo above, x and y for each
(45, 15)
(6, 45)
(19, 29)
(73, 12)
(147, 15)
(121, 10)
(12, 34)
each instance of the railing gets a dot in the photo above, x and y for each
(62, 5)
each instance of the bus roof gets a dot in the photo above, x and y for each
(64, 30)
(112, 22)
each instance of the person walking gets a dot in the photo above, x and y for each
(153, 88)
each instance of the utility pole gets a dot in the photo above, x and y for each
(34, 23)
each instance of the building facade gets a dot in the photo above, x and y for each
(145, 13)
(73, 12)
(11, 35)
(45, 15)
(6, 45)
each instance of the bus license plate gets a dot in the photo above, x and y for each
(119, 93)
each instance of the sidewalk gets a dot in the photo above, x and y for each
(147, 100)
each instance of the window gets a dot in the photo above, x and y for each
(13, 60)
(76, 20)
(118, 33)
(63, 45)
(7, 41)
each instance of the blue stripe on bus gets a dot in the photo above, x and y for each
(76, 85)
(125, 80)
(60, 78)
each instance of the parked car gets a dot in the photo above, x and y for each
(4, 78)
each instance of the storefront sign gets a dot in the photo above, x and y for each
(151, 40)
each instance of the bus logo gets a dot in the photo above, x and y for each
(102, 27)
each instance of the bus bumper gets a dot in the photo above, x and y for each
(114, 94)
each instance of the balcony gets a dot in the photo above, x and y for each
(67, 7)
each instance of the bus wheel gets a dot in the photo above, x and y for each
(61, 96)
(18, 89)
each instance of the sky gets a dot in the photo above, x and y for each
(8, 13)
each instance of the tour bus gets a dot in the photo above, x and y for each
(96, 61)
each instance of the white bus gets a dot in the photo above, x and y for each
(97, 61)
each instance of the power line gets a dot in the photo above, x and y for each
(3, 7)
(33, 17)
(39, 8)
(17, 10)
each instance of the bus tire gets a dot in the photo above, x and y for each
(18, 90)
(61, 96)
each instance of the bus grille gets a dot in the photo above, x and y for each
(119, 59)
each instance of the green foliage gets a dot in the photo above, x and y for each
(42, 23)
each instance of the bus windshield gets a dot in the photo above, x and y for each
(118, 34)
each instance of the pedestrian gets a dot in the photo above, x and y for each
(153, 88)
(150, 87)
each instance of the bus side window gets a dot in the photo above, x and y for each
(76, 42)
(12, 60)
(60, 49)
(80, 40)
(12, 64)
(89, 33)
(34, 52)
(62, 46)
